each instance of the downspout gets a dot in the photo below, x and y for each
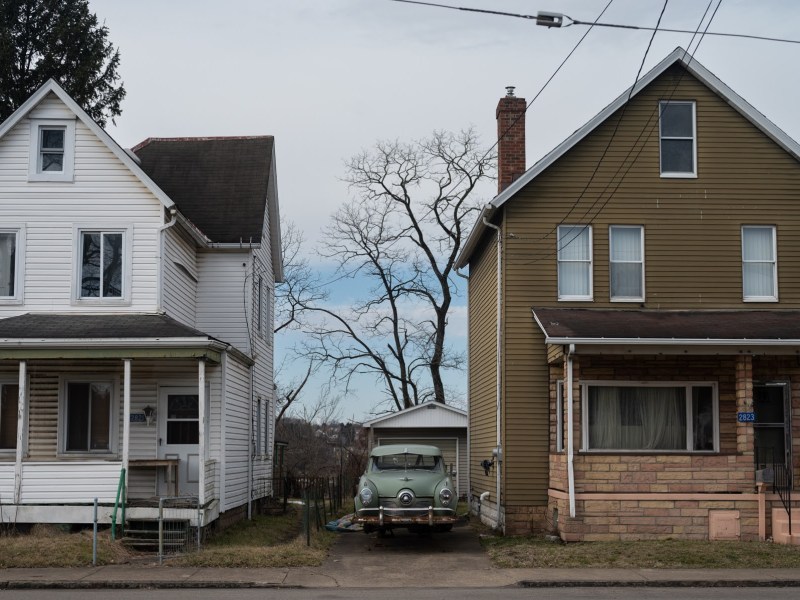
(160, 283)
(250, 450)
(468, 483)
(499, 365)
(570, 468)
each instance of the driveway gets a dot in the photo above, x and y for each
(404, 553)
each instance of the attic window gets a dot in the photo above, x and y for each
(52, 150)
(678, 139)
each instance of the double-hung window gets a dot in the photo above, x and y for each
(103, 264)
(626, 255)
(574, 262)
(52, 150)
(650, 416)
(678, 138)
(11, 264)
(9, 394)
(759, 264)
(87, 415)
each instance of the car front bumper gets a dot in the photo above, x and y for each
(381, 516)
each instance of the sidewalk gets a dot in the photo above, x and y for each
(153, 576)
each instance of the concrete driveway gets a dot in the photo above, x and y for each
(404, 553)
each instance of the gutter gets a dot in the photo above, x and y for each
(499, 363)
(487, 212)
(173, 212)
(562, 341)
(570, 450)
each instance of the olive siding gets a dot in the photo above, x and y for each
(482, 364)
(693, 259)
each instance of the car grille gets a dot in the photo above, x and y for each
(423, 503)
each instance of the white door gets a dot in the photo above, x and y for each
(178, 438)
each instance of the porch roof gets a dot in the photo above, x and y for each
(697, 328)
(133, 335)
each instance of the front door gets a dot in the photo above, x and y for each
(179, 437)
(772, 427)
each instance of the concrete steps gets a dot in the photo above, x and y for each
(780, 526)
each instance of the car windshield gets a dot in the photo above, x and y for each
(399, 462)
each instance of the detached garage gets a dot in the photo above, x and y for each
(430, 423)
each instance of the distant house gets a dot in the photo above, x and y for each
(136, 318)
(637, 373)
(429, 423)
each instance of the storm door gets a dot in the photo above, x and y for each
(772, 427)
(179, 437)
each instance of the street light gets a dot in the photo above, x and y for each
(548, 19)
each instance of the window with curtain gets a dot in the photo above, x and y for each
(651, 418)
(87, 417)
(626, 255)
(8, 263)
(678, 139)
(759, 264)
(574, 262)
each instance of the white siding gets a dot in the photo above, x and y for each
(237, 442)
(103, 192)
(60, 482)
(179, 283)
(220, 306)
(6, 483)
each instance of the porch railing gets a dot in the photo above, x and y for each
(780, 475)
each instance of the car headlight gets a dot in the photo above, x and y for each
(366, 496)
(445, 496)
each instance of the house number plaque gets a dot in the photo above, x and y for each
(746, 417)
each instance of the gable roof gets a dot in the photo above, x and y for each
(678, 56)
(219, 183)
(434, 414)
(51, 87)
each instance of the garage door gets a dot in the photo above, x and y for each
(448, 446)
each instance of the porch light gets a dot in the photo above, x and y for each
(149, 411)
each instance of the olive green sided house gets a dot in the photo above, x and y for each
(634, 322)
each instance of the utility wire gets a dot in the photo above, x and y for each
(597, 24)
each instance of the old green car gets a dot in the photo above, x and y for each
(406, 486)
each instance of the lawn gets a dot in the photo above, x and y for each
(539, 552)
(52, 546)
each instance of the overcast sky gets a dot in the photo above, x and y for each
(328, 78)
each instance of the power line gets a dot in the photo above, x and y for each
(596, 23)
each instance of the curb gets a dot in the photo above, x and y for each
(665, 583)
(140, 585)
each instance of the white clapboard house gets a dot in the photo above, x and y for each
(136, 294)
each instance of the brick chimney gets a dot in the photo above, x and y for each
(510, 139)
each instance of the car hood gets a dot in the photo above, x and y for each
(422, 483)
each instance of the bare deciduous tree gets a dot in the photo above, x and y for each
(403, 231)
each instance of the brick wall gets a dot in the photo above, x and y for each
(510, 140)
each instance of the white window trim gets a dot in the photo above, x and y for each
(687, 384)
(19, 266)
(127, 264)
(11, 451)
(774, 296)
(34, 172)
(114, 417)
(269, 325)
(568, 298)
(641, 242)
(259, 309)
(679, 174)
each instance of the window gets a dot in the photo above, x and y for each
(759, 265)
(9, 397)
(259, 303)
(103, 264)
(11, 264)
(574, 262)
(87, 417)
(259, 426)
(626, 254)
(51, 150)
(268, 313)
(650, 417)
(678, 139)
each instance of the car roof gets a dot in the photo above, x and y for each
(406, 449)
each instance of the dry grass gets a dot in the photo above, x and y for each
(538, 552)
(266, 541)
(49, 546)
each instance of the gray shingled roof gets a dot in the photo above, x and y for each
(608, 325)
(219, 184)
(68, 326)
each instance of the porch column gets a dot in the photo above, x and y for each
(21, 409)
(126, 418)
(745, 437)
(201, 441)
